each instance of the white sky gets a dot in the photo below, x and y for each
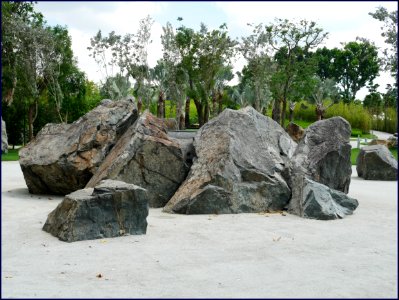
(343, 20)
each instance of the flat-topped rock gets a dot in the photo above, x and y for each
(111, 209)
(63, 157)
(376, 163)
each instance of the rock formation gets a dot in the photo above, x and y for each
(146, 156)
(240, 165)
(376, 163)
(322, 156)
(111, 209)
(320, 202)
(63, 157)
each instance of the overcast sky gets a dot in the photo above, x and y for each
(343, 20)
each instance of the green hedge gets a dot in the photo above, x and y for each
(355, 114)
(388, 124)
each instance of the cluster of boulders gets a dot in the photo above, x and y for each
(4, 139)
(113, 162)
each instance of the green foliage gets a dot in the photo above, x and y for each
(390, 33)
(170, 108)
(305, 111)
(387, 121)
(353, 67)
(355, 114)
(12, 155)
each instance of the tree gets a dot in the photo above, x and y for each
(116, 87)
(203, 54)
(16, 16)
(291, 43)
(223, 76)
(259, 68)
(129, 53)
(389, 32)
(324, 90)
(176, 78)
(39, 75)
(353, 67)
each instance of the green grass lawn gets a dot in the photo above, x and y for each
(355, 153)
(12, 155)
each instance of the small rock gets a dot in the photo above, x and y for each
(107, 210)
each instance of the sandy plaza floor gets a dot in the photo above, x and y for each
(242, 255)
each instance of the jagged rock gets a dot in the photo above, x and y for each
(324, 152)
(323, 155)
(4, 139)
(317, 201)
(376, 163)
(112, 208)
(295, 131)
(63, 157)
(146, 156)
(240, 164)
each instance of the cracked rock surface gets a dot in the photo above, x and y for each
(322, 156)
(146, 156)
(63, 157)
(111, 209)
(376, 163)
(240, 166)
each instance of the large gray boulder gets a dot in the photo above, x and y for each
(318, 201)
(146, 156)
(376, 163)
(323, 155)
(240, 166)
(4, 139)
(111, 209)
(63, 157)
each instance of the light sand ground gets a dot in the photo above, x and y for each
(246, 255)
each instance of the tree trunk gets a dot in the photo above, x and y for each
(187, 118)
(164, 107)
(220, 100)
(206, 113)
(264, 111)
(214, 102)
(319, 112)
(139, 105)
(291, 116)
(200, 112)
(276, 113)
(180, 114)
(160, 106)
(283, 112)
(31, 119)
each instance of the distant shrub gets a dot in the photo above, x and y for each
(388, 123)
(305, 111)
(355, 114)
